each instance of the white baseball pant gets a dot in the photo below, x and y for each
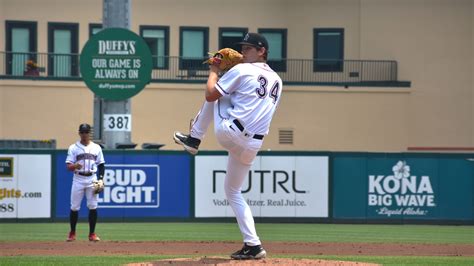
(78, 190)
(242, 151)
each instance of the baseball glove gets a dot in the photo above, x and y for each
(225, 59)
(98, 186)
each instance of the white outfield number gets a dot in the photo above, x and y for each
(117, 122)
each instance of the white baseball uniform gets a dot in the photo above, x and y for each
(250, 95)
(89, 157)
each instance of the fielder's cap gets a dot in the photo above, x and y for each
(255, 39)
(84, 128)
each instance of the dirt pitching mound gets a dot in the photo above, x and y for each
(267, 261)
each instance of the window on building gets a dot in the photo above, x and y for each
(276, 39)
(21, 46)
(229, 37)
(328, 50)
(63, 49)
(94, 28)
(157, 38)
(194, 46)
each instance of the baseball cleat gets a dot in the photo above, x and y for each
(71, 237)
(94, 237)
(189, 143)
(249, 253)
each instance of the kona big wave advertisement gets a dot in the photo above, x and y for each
(401, 186)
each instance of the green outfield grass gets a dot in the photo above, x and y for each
(229, 232)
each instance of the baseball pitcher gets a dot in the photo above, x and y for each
(242, 103)
(86, 160)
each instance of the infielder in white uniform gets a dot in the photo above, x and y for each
(86, 160)
(242, 103)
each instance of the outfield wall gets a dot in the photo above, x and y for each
(292, 186)
(137, 185)
(403, 186)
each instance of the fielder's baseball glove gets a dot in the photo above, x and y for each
(225, 59)
(98, 186)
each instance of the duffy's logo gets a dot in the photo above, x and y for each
(116, 47)
(401, 193)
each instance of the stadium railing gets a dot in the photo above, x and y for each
(174, 69)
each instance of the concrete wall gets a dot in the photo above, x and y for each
(432, 41)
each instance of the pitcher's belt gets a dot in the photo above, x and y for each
(241, 128)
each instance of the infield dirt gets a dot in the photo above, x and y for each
(200, 251)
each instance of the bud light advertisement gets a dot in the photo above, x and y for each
(131, 186)
(137, 185)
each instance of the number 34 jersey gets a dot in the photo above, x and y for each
(254, 90)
